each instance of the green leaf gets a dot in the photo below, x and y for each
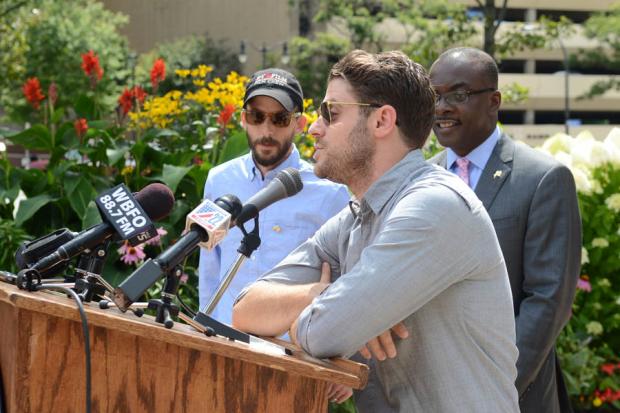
(79, 193)
(180, 210)
(172, 175)
(37, 137)
(234, 146)
(165, 132)
(91, 216)
(116, 154)
(58, 115)
(28, 207)
(85, 107)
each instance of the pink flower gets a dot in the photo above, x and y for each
(157, 240)
(131, 255)
(184, 278)
(583, 284)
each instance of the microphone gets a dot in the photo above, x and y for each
(206, 225)
(286, 183)
(123, 217)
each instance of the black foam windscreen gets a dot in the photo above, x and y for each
(157, 200)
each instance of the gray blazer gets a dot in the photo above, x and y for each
(532, 201)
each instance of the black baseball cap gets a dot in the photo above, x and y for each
(278, 84)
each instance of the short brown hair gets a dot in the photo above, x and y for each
(391, 78)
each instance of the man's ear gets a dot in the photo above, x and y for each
(384, 120)
(243, 122)
(300, 124)
(496, 100)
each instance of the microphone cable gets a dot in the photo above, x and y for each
(185, 307)
(85, 332)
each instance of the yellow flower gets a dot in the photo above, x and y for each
(182, 73)
(308, 103)
(311, 118)
(597, 402)
(198, 82)
(127, 170)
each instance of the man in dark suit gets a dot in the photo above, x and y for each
(532, 202)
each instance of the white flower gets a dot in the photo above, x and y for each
(2, 147)
(582, 181)
(600, 243)
(612, 144)
(604, 283)
(584, 256)
(21, 196)
(597, 188)
(595, 328)
(589, 152)
(560, 142)
(613, 202)
(564, 158)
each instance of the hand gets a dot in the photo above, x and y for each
(338, 393)
(315, 290)
(324, 282)
(383, 346)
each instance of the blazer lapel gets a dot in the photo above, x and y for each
(496, 171)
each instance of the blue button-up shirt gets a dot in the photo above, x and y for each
(478, 158)
(283, 225)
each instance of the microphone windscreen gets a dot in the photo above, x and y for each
(291, 180)
(157, 200)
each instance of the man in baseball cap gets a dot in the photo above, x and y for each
(278, 84)
(271, 117)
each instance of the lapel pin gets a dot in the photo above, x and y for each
(497, 174)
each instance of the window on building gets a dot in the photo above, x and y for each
(512, 117)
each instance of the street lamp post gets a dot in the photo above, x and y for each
(566, 83)
(264, 49)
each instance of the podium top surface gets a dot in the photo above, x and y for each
(57, 305)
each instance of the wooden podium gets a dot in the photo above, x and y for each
(139, 366)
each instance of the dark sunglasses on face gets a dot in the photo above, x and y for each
(325, 109)
(459, 97)
(280, 119)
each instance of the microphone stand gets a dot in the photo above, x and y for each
(88, 273)
(164, 308)
(203, 321)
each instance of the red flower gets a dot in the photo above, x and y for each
(52, 92)
(127, 98)
(91, 67)
(32, 92)
(608, 368)
(226, 114)
(139, 94)
(81, 126)
(158, 72)
(125, 101)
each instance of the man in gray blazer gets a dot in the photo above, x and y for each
(532, 202)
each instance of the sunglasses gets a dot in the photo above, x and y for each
(280, 119)
(326, 108)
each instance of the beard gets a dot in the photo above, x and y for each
(281, 150)
(354, 162)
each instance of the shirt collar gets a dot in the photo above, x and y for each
(252, 171)
(480, 155)
(386, 186)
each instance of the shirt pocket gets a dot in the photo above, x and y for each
(279, 238)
